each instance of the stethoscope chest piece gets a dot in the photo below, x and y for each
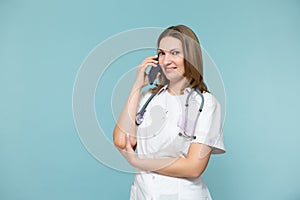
(139, 119)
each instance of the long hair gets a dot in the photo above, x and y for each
(193, 64)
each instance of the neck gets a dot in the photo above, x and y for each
(176, 88)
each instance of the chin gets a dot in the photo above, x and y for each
(174, 78)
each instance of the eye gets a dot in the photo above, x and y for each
(175, 53)
(160, 53)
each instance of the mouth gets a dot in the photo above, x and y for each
(170, 69)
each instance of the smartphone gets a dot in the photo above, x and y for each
(153, 73)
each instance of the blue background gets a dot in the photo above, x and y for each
(255, 44)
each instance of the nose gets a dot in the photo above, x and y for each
(165, 60)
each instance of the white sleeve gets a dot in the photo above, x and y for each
(209, 125)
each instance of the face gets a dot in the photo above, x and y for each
(170, 52)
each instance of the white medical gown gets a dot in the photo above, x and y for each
(158, 137)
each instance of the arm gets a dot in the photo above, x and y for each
(126, 122)
(190, 167)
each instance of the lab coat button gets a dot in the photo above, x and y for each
(153, 177)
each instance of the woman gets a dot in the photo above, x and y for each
(173, 143)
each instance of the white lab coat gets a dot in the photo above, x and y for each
(158, 137)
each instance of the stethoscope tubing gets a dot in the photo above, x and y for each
(140, 115)
(191, 137)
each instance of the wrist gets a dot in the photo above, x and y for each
(137, 86)
(133, 159)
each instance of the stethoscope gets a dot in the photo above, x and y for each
(140, 115)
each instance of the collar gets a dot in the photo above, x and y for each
(187, 90)
(163, 89)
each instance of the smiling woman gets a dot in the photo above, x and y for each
(187, 47)
(173, 143)
(170, 54)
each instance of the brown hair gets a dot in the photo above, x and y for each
(193, 65)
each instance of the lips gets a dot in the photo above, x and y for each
(170, 69)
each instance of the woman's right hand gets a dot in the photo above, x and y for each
(141, 76)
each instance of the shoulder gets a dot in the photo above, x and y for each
(209, 100)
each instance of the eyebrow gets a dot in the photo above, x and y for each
(168, 50)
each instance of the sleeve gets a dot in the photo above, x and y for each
(209, 125)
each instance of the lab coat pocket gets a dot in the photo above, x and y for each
(168, 196)
(194, 197)
(178, 147)
(193, 189)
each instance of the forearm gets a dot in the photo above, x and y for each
(191, 166)
(126, 122)
(183, 167)
(175, 167)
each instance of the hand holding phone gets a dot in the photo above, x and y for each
(153, 73)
